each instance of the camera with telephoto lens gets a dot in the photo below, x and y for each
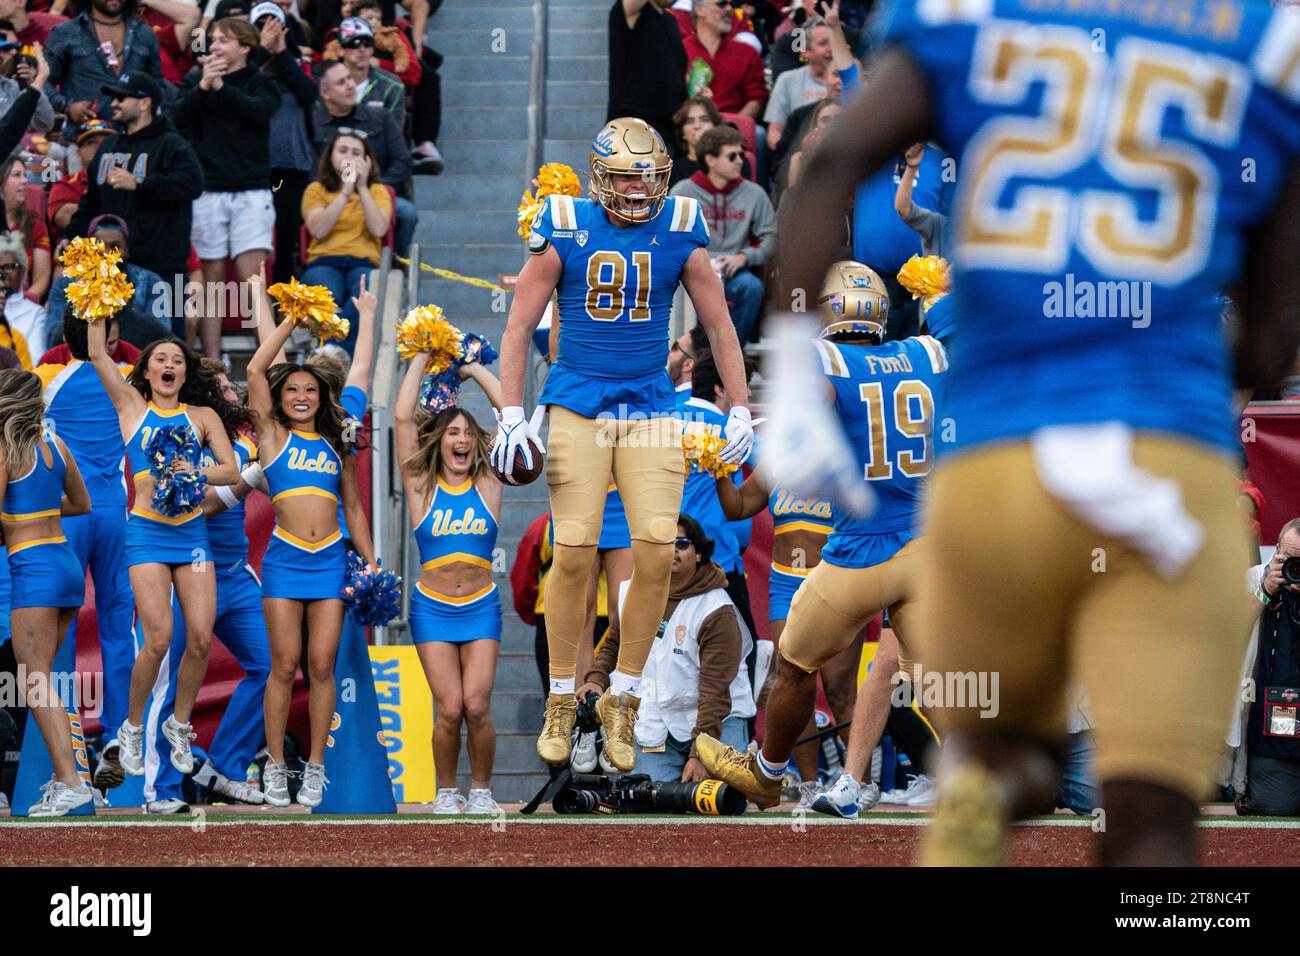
(587, 722)
(1291, 570)
(637, 793)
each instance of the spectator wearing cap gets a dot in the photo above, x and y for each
(22, 314)
(173, 23)
(225, 108)
(647, 63)
(736, 83)
(18, 72)
(67, 192)
(148, 176)
(337, 110)
(31, 230)
(741, 221)
(150, 295)
(30, 27)
(292, 154)
(393, 51)
(79, 68)
(375, 87)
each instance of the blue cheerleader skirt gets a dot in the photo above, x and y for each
(154, 539)
(781, 586)
(614, 532)
(46, 573)
(294, 569)
(474, 617)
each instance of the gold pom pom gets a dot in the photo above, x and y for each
(926, 277)
(425, 330)
(553, 179)
(312, 307)
(700, 447)
(557, 179)
(99, 288)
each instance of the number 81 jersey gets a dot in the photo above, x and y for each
(616, 292)
(1111, 159)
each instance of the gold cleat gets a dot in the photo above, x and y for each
(969, 824)
(618, 715)
(738, 770)
(556, 739)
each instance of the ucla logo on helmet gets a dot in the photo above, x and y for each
(603, 144)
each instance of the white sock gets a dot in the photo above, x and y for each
(771, 771)
(562, 685)
(620, 683)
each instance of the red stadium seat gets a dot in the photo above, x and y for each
(36, 201)
(748, 129)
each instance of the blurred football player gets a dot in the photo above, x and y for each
(615, 261)
(884, 397)
(1121, 165)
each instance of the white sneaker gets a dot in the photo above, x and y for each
(179, 736)
(130, 741)
(101, 801)
(448, 802)
(169, 806)
(922, 792)
(480, 801)
(840, 799)
(4, 802)
(58, 799)
(808, 792)
(903, 797)
(275, 783)
(584, 754)
(313, 785)
(237, 790)
(868, 797)
(109, 773)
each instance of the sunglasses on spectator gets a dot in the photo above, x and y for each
(9, 266)
(678, 348)
(681, 544)
(733, 157)
(349, 131)
(357, 43)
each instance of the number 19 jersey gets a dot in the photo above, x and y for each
(1111, 158)
(615, 302)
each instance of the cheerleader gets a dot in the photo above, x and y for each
(167, 387)
(309, 472)
(39, 485)
(455, 504)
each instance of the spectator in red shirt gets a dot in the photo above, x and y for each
(30, 27)
(32, 229)
(738, 84)
(173, 23)
(67, 192)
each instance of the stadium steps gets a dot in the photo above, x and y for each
(467, 225)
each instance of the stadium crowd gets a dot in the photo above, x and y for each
(229, 142)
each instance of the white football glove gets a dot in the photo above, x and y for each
(739, 432)
(805, 448)
(513, 433)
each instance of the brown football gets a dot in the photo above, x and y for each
(521, 474)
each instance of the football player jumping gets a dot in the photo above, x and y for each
(615, 262)
(884, 396)
(1083, 521)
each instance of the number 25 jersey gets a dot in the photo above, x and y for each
(1112, 157)
(615, 298)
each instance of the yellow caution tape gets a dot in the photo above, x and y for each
(454, 276)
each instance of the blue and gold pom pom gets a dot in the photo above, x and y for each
(175, 493)
(372, 596)
(442, 390)
(99, 289)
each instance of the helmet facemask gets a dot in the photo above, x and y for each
(630, 147)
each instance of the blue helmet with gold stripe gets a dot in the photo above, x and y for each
(854, 303)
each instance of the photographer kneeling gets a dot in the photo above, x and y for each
(693, 681)
(1272, 728)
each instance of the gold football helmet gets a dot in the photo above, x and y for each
(630, 147)
(854, 303)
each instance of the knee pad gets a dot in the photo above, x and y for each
(572, 564)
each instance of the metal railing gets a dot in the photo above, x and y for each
(536, 91)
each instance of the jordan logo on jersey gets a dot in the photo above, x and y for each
(442, 523)
(322, 463)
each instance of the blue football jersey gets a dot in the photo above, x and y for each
(616, 293)
(1111, 158)
(885, 398)
(226, 533)
(700, 490)
(78, 408)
